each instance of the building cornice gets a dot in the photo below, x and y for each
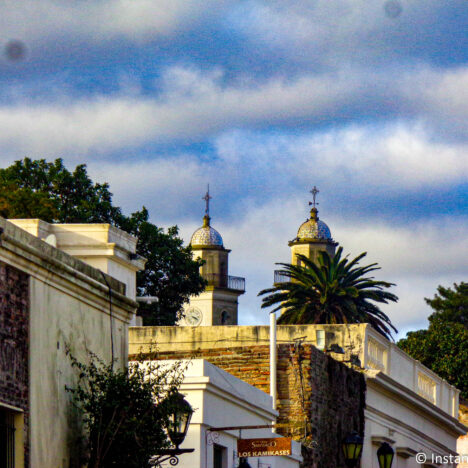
(53, 266)
(207, 384)
(413, 400)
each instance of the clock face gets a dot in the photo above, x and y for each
(193, 316)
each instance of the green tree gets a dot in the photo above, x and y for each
(124, 411)
(66, 197)
(45, 190)
(443, 346)
(335, 290)
(450, 305)
(171, 274)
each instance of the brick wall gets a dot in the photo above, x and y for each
(319, 399)
(14, 342)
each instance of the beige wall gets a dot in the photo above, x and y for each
(216, 261)
(59, 317)
(69, 304)
(188, 338)
(309, 250)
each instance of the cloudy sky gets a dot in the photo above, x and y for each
(366, 99)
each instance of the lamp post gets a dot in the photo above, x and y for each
(177, 427)
(352, 448)
(385, 455)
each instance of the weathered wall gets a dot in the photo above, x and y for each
(319, 399)
(14, 343)
(68, 306)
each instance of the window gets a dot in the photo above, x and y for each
(320, 337)
(219, 456)
(7, 439)
(224, 317)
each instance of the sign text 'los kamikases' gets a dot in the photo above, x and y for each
(264, 447)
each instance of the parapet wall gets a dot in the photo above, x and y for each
(141, 339)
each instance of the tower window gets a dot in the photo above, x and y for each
(224, 317)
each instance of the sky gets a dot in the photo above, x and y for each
(367, 100)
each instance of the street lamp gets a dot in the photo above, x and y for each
(179, 420)
(352, 448)
(177, 427)
(385, 455)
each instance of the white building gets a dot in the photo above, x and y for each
(222, 400)
(408, 406)
(60, 286)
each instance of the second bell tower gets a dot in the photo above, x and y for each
(218, 303)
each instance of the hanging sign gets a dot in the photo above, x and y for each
(275, 447)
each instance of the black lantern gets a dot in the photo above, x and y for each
(385, 455)
(179, 420)
(352, 448)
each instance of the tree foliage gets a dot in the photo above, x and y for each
(443, 347)
(335, 290)
(450, 305)
(45, 190)
(124, 411)
(171, 274)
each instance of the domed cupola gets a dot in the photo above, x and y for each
(313, 235)
(206, 236)
(314, 229)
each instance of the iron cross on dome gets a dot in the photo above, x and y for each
(207, 199)
(314, 193)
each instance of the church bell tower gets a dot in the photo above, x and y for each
(218, 303)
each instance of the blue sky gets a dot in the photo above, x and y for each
(263, 100)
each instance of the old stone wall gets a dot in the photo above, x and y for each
(14, 342)
(319, 399)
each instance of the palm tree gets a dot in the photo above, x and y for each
(335, 290)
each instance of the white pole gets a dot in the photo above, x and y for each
(273, 358)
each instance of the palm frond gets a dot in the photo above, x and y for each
(333, 290)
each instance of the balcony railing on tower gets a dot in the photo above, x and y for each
(225, 281)
(280, 277)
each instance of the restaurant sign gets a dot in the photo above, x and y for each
(264, 447)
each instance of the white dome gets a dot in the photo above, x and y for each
(314, 229)
(206, 236)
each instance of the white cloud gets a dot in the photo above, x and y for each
(100, 20)
(193, 106)
(332, 34)
(252, 168)
(165, 186)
